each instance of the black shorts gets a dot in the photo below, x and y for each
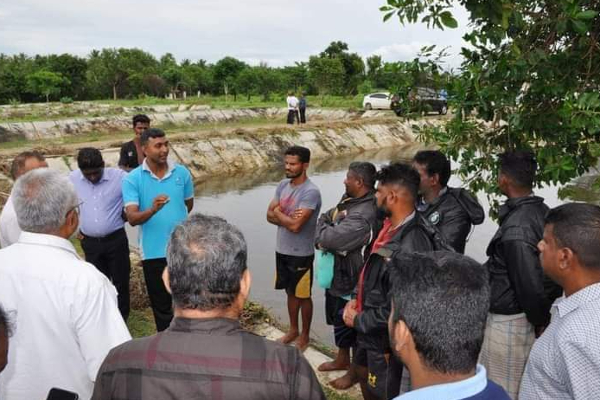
(345, 337)
(294, 274)
(384, 372)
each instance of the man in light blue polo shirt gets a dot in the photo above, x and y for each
(158, 195)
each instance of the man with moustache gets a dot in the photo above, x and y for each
(404, 231)
(294, 210)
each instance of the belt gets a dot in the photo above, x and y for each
(108, 237)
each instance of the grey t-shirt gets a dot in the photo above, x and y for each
(307, 196)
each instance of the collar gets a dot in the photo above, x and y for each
(42, 239)
(516, 202)
(103, 179)
(565, 305)
(208, 325)
(422, 205)
(452, 391)
(170, 167)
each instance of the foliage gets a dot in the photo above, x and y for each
(44, 83)
(530, 80)
(327, 74)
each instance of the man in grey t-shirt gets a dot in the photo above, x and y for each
(295, 209)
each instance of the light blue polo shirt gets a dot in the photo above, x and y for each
(141, 186)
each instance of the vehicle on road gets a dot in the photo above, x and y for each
(377, 101)
(422, 100)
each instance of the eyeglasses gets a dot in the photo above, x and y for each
(76, 208)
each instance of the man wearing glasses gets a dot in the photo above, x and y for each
(102, 232)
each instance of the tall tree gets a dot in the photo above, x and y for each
(327, 74)
(44, 83)
(226, 71)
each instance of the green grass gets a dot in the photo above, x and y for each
(333, 395)
(141, 323)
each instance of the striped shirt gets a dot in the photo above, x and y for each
(211, 358)
(565, 361)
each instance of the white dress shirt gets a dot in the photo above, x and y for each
(564, 363)
(292, 102)
(64, 315)
(9, 226)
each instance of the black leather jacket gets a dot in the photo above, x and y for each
(517, 280)
(372, 323)
(453, 213)
(345, 231)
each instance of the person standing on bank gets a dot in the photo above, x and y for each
(157, 195)
(102, 233)
(345, 231)
(302, 108)
(295, 209)
(131, 155)
(521, 295)
(292, 106)
(452, 210)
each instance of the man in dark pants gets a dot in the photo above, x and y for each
(345, 231)
(403, 231)
(302, 108)
(101, 228)
(131, 154)
(452, 210)
(158, 195)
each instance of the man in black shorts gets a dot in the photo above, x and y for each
(131, 155)
(295, 209)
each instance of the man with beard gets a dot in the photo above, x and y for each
(132, 155)
(158, 195)
(521, 296)
(439, 306)
(452, 210)
(295, 209)
(403, 231)
(345, 231)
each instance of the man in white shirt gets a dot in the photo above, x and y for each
(292, 105)
(9, 227)
(63, 311)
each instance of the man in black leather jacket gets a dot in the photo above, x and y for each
(345, 231)
(521, 295)
(403, 231)
(452, 210)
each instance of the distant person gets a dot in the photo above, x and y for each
(345, 231)
(520, 294)
(205, 353)
(4, 334)
(157, 195)
(440, 302)
(403, 231)
(132, 154)
(63, 310)
(564, 362)
(292, 105)
(9, 227)
(102, 231)
(295, 209)
(302, 108)
(453, 211)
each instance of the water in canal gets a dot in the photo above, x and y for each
(243, 200)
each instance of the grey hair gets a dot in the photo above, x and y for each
(206, 258)
(42, 199)
(365, 171)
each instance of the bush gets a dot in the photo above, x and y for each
(66, 100)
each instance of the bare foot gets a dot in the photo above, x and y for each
(344, 382)
(288, 337)
(302, 343)
(333, 366)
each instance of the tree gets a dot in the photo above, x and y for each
(530, 80)
(226, 71)
(327, 74)
(44, 83)
(352, 64)
(247, 82)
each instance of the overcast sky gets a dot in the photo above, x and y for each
(277, 32)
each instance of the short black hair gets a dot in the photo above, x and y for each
(143, 118)
(520, 166)
(435, 162)
(89, 158)
(365, 171)
(151, 133)
(577, 227)
(302, 152)
(5, 326)
(18, 163)
(443, 298)
(400, 174)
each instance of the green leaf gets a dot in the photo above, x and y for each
(388, 16)
(448, 20)
(580, 27)
(586, 15)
